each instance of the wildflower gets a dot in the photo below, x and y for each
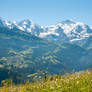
(52, 88)
(77, 82)
(37, 87)
(67, 81)
(44, 89)
(34, 86)
(58, 86)
(61, 79)
(69, 87)
(56, 79)
(55, 82)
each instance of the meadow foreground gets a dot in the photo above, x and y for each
(77, 82)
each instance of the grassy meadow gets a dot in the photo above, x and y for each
(77, 82)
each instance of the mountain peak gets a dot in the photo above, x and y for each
(28, 21)
(2, 22)
(90, 27)
(69, 21)
(1, 19)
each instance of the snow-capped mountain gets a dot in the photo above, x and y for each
(65, 31)
(25, 25)
(7, 24)
(68, 31)
(73, 30)
(3, 23)
(30, 26)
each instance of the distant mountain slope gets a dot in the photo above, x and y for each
(63, 32)
(20, 51)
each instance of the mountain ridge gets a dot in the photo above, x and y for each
(66, 31)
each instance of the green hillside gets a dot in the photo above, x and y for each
(26, 54)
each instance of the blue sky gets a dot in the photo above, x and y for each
(47, 12)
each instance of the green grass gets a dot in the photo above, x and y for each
(77, 82)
